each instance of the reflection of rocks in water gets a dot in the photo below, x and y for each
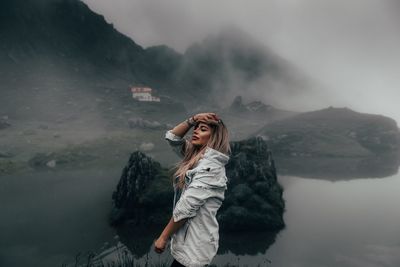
(138, 239)
(335, 168)
(246, 243)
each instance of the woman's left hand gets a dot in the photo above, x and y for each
(160, 244)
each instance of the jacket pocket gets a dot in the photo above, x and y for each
(187, 225)
(214, 236)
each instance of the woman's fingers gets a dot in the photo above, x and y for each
(215, 117)
(209, 117)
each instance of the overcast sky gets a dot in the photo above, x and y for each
(350, 45)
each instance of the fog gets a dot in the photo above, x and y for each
(349, 46)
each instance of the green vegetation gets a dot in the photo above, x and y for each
(104, 151)
(8, 166)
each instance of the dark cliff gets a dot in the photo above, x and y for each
(253, 199)
(143, 193)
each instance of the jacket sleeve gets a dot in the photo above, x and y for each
(193, 197)
(177, 143)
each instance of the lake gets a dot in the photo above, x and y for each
(50, 217)
(347, 223)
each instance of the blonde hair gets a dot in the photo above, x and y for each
(219, 140)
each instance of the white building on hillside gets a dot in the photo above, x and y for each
(144, 94)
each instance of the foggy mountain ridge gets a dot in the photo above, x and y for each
(236, 64)
(53, 50)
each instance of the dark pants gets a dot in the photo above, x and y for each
(175, 263)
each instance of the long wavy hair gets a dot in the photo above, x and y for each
(219, 140)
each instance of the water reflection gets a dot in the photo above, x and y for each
(53, 216)
(339, 168)
(49, 217)
(139, 240)
(246, 243)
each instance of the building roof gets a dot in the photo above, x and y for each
(141, 89)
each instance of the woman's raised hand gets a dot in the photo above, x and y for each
(208, 117)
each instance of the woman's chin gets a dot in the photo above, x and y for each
(195, 143)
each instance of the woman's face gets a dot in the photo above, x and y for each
(201, 134)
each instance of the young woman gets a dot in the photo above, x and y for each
(199, 188)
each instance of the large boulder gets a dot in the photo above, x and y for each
(144, 194)
(254, 197)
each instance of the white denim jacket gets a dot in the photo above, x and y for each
(196, 243)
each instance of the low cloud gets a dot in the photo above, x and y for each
(351, 47)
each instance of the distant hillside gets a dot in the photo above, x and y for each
(60, 53)
(335, 132)
(68, 32)
(60, 59)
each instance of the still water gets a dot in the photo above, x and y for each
(48, 218)
(348, 223)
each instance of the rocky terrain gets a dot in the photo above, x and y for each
(253, 199)
(143, 193)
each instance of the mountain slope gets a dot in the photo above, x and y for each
(59, 51)
(337, 132)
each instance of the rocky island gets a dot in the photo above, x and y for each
(334, 143)
(332, 132)
(253, 199)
